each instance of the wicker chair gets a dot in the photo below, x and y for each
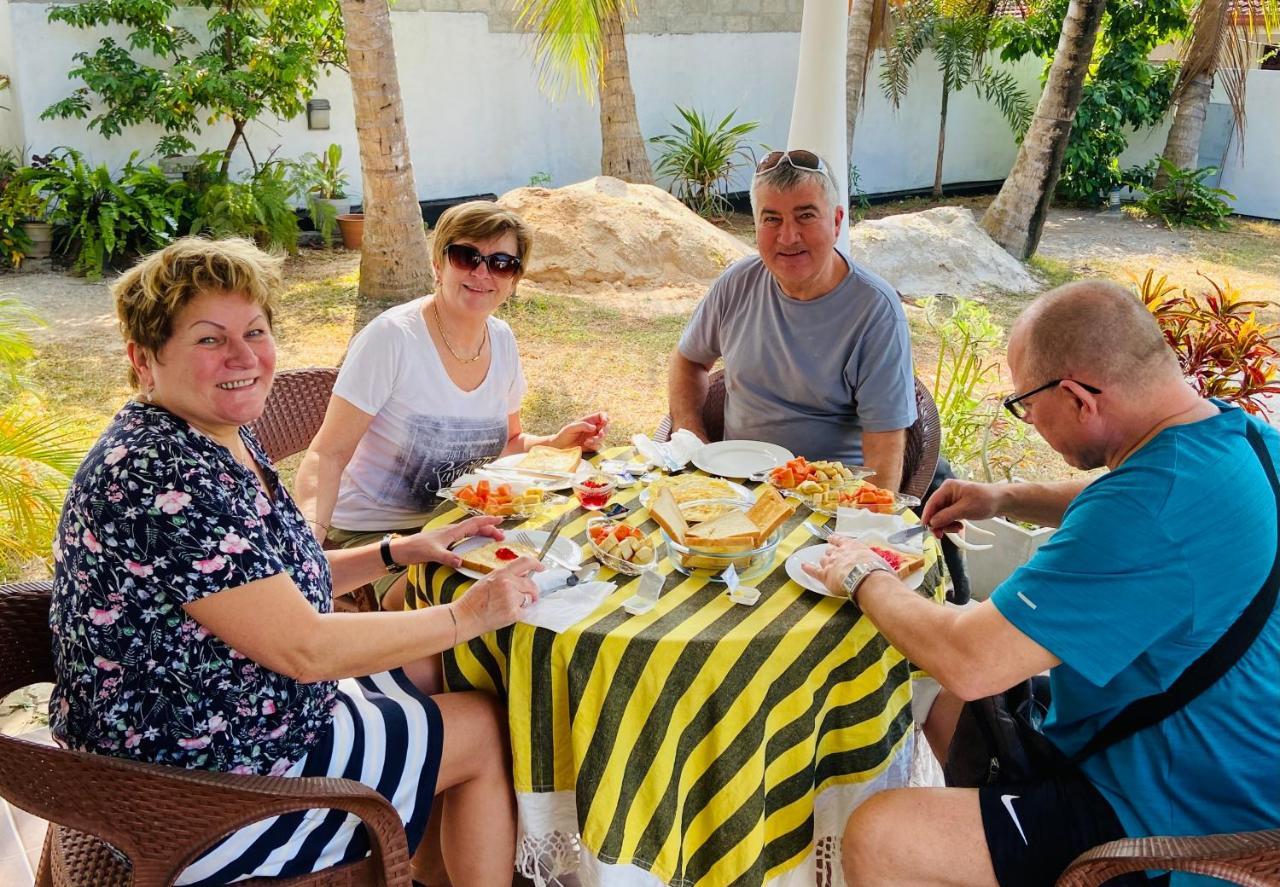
(924, 437)
(1250, 858)
(160, 817)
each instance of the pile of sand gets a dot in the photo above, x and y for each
(606, 232)
(938, 252)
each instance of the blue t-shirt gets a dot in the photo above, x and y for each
(808, 375)
(1153, 562)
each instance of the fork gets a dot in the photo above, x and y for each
(523, 538)
(822, 531)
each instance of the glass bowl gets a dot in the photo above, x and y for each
(844, 496)
(526, 500)
(612, 561)
(594, 490)
(750, 563)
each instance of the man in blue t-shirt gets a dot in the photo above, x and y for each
(817, 354)
(1151, 564)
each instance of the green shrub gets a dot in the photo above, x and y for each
(260, 208)
(700, 157)
(1187, 200)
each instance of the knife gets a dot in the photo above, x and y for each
(551, 537)
(903, 535)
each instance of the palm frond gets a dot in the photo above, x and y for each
(15, 343)
(914, 27)
(568, 41)
(1000, 87)
(37, 459)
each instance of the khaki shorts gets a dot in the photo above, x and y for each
(337, 538)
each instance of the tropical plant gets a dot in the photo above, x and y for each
(260, 207)
(975, 430)
(1184, 198)
(242, 59)
(395, 263)
(1222, 44)
(868, 29)
(959, 33)
(700, 157)
(1015, 218)
(584, 42)
(318, 179)
(37, 456)
(1222, 347)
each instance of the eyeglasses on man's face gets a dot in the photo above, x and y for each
(1016, 403)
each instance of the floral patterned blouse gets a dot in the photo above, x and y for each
(160, 515)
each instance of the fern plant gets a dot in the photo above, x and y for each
(700, 156)
(261, 208)
(1186, 200)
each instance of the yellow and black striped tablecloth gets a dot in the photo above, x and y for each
(695, 737)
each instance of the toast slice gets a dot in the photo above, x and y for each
(666, 513)
(730, 532)
(543, 458)
(904, 563)
(485, 558)
(769, 512)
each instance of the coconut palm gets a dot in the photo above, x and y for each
(584, 42)
(958, 33)
(1015, 218)
(394, 260)
(868, 20)
(1221, 45)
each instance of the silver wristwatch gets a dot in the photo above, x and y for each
(857, 574)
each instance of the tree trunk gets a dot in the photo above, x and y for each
(856, 64)
(394, 260)
(622, 149)
(942, 143)
(1182, 147)
(1015, 218)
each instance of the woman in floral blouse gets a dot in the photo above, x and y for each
(192, 605)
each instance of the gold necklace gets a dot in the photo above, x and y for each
(445, 336)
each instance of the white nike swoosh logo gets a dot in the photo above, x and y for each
(1007, 800)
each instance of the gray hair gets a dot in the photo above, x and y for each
(785, 177)
(1098, 332)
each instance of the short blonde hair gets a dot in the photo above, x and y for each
(151, 294)
(480, 220)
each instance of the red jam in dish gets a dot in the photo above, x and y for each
(505, 554)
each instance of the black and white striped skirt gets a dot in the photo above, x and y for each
(385, 734)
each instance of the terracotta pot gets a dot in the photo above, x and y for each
(41, 236)
(352, 227)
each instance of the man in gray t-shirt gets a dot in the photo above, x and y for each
(817, 354)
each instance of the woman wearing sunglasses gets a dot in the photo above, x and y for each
(428, 389)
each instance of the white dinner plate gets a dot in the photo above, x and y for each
(513, 461)
(740, 458)
(813, 554)
(566, 549)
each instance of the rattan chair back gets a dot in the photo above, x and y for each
(294, 410)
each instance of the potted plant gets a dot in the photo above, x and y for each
(24, 209)
(323, 183)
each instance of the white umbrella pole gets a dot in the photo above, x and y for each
(818, 112)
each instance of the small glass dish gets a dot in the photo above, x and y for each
(830, 499)
(749, 562)
(610, 557)
(521, 502)
(594, 490)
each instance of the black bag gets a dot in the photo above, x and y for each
(998, 739)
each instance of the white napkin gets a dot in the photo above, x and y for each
(868, 526)
(681, 447)
(564, 606)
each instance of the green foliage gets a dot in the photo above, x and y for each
(260, 207)
(1187, 200)
(540, 179)
(38, 455)
(1223, 349)
(700, 157)
(243, 59)
(568, 40)
(859, 204)
(975, 430)
(321, 174)
(1123, 91)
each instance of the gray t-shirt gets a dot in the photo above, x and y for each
(809, 375)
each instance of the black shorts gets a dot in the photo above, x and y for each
(1035, 831)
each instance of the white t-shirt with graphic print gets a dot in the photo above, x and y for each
(426, 431)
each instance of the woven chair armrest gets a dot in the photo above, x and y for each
(163, 817)
(1250, 858)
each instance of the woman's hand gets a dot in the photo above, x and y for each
(432, 546)
(840, 557)
(587, 432)
(496, 600)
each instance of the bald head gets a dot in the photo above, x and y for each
(1093, 331)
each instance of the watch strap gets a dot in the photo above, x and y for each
(384, 549)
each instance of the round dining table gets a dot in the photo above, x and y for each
(702, 743)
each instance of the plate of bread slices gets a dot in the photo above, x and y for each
(907, 565)
(550, 467)
(481, 554)
(744, 535)
(687, 488)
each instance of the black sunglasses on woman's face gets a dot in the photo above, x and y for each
(467, 258)
(1014, 402)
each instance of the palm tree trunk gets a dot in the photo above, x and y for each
(1182, 147)
(942, 143)
(1015, 218)
(622, 151)
(855, 75)
(394, 260)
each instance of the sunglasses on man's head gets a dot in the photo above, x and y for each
(468, 258)
(797, 157)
